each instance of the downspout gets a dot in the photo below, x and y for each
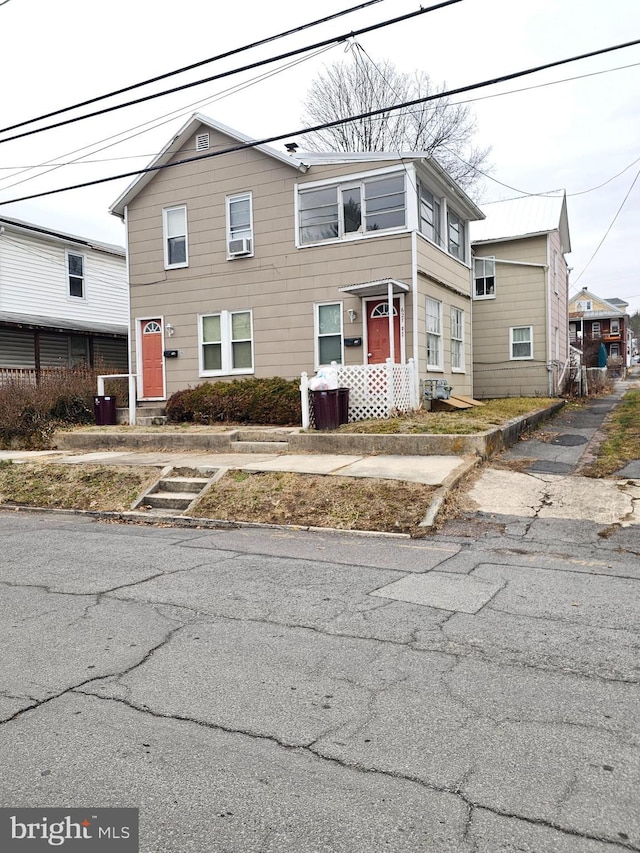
(133, 393)
(414, 299)
(550, 389)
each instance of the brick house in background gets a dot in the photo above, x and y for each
(594, 321)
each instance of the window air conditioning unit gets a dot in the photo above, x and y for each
(240, 247)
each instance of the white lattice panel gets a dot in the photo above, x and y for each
(375, 390)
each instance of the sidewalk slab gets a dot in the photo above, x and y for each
(430, 470)
(302, 464)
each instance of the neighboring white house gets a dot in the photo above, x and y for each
(63, 300)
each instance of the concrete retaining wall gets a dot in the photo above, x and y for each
(483, 444)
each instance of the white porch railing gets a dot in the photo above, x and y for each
(375, 390)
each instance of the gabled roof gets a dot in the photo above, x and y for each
(60, 236)
(177, 141)
(299, 161)
(600, 308)
(528, 216)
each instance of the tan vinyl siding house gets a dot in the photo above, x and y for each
(260, 263)
(520, 298)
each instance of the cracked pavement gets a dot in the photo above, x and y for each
(263, 690)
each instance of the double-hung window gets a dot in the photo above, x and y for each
(614, 328)
(239, 225)
(595, 330)
(75, 275)
(430, 213)
(457, 340)
(457, 238)
(484, 278)
(226, 343)
(335, 212)
(329, 340)
(176, 252)
(521, 342)
(434, 334)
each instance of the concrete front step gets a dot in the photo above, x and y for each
(187, 485)
(169, 500)
(151, 420)
(174, 493)
(265, 434)
(259, 446)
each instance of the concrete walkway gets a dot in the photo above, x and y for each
(548, 483)
(430, 470)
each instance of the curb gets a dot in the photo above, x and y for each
(194, 522)
(441, 493)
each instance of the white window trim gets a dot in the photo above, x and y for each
(462, 369)
(316, 333)
(72, 298)
(612, 330)
(596, 326)
(226, 345)
(434, 368)
(344, 183)
(228, 200)
(475, 278)
(165, 237)
(513, 357)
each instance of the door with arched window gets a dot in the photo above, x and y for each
(378, 344)
(151, 349)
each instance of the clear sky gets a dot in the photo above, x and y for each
(581, 135)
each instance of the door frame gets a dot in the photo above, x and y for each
(140, 321)
(400, 346)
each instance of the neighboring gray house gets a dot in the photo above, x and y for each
(520, 298)
(258, 262)
(63, 301)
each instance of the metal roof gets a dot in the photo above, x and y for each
(40, 230)
(62, 324)
(523, 217)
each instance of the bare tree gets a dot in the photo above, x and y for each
(442, 129)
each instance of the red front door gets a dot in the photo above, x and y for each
(151, 346)
(378, 331)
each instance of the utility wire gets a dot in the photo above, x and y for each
(199, 64)
(48, 166)
(300, 132)
(606, 233)
(249, 67)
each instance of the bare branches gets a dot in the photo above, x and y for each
(440, 128)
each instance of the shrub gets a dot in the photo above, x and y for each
(273, 401)
(30, 413)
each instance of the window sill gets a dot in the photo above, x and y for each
(354, 237)
(176, 266)
(206, 373)
(480, 298)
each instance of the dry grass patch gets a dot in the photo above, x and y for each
(622, 441)
(491, 414)
(309, 500)
(101, 488)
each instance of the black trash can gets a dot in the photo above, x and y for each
(104, 410)
(326, 411)
(343, 405)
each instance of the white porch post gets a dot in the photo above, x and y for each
(304, 400)
(392, 343)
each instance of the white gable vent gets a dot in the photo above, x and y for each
(202, 141)
(240, 247)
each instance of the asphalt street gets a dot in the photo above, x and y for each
(273, 691)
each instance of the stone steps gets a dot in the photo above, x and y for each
(173, 493)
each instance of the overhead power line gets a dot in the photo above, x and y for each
(302, 131)
(334, 40)
(185, 68)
